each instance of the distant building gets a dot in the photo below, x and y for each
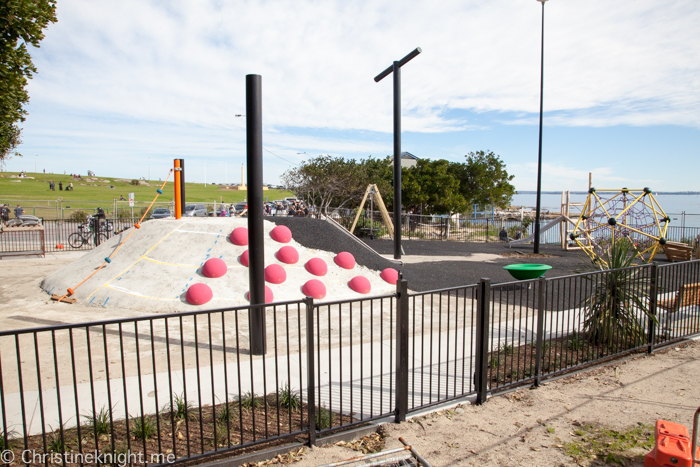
(408, 160)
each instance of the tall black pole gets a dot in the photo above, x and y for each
(256, 259)
(396, 69)
(397, 160)
(538, 206)
(182, 187)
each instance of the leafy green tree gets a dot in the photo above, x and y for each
(432, 184)
(21, 23)
(326, 181)
(483, 180)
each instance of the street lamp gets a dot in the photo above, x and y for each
(538, 206)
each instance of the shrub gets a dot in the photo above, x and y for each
(290, 398)
(144, 428)
(134, 182)
(323, 418)
(99, 421)
(617, 296)
(78, 215)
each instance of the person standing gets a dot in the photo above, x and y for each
(18, 211)
(60, 186)
(5, 212)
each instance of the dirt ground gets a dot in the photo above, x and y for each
(531, 427)
(526, 427)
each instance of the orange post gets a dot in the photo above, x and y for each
(178, 201)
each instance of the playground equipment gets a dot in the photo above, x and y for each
(632, 214)
(373, 192)
(673, 445)
(527, 271)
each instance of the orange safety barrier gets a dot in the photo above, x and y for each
(108, 259)
(673, 446)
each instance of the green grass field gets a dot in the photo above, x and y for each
(34, 195)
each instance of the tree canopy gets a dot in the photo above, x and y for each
(437, 186)
(21, 22)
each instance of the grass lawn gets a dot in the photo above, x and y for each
(34, 195)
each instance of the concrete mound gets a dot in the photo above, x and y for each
(155, 268)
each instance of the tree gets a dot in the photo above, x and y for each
(324, 181)
(432, 184)
(21, 22)
(483, 180)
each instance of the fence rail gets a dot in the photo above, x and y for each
(184, 386)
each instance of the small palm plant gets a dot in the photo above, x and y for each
(618, 299)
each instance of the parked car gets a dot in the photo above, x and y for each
(161, 213)
(196, 210)
(240, 207)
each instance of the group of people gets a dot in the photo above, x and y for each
(297, 209)
(52, 186)
(5, 212)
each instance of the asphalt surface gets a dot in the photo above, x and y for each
(431, 275)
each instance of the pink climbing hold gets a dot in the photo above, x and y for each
(390, 275)
(288, 254)
(198, 294)
(281, 234)
(214, 267)
(244, 258)
(316, 266)
(345, 260)
(275, 274)
(360, 284)
(239, 236)
(268, 295)
(315, 289)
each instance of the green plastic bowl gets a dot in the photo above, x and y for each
(527, 271)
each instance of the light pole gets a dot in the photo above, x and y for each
(538, 206)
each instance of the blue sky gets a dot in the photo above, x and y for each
(124, 87)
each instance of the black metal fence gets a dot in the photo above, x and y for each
(175, 387)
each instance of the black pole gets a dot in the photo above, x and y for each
(396, 69)
(397, 160)
(182, 187)
(538, 207)
(256, 269)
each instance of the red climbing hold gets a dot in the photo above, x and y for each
(360, 284)
(345, 260)
(244, 258)
(198, 294)
(275, 274)
(281, 234)
(288, 254)
(316, 266)
(315, 289)
(214, 267)
(390, 275)
(239, 236)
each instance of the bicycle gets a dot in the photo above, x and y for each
(86, 233)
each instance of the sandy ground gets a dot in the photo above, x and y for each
(527, 427)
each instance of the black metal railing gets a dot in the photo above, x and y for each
(184, 386)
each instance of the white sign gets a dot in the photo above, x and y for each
(131, 200)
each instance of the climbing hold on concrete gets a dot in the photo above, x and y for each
(390, 275)
(198, 294)
(107, 260)
(275, 274)
(314, 288)
(360, 284)
(244, 258)
(345, 260)
(288, 254)
(214, 267)
(239, 236)
(281, 234)
(316, 266)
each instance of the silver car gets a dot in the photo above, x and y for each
(196, 210)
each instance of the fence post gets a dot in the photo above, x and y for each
(487, 230)
(482, 340)
(401, 350)
(653, 292)
(310, 370)
(541, 288)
